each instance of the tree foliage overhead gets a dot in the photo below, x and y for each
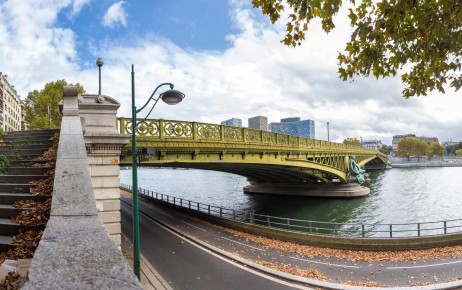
(37, 103)
(420, 38)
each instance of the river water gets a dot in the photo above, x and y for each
(398, 195)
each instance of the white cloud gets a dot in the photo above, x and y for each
(257, 75)
(77, 5)
(115, 14)
(33, 50)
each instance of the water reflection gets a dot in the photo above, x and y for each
(398, 195)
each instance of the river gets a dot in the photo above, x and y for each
(398, 195)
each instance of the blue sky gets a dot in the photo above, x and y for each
(223, 54)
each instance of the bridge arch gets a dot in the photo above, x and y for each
(261, 156)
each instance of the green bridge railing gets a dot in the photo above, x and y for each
(171, 129)
(375, 230)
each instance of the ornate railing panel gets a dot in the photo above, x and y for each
(220, 133)
(174, 129)
(233, 134)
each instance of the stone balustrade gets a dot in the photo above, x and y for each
(76, 251)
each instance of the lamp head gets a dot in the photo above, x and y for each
(172, 97)
(99, 62)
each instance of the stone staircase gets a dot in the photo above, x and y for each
(18, 152)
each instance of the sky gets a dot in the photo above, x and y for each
(223, 54)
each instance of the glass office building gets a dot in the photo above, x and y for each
(233, 122)
(294, 126)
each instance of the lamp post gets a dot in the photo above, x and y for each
(170, 97)
(99, 63)
(328, 139)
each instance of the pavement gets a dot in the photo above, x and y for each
(253, 254)
(150, 278)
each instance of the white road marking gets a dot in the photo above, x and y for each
(425, 266)
(329, 264)
(166, 214)
(243, 267)
(242, 244)
(194, 226)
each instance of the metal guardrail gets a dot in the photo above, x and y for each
(397, 230)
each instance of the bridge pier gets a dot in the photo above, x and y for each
(309, 189)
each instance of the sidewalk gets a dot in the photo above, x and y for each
(150, 279)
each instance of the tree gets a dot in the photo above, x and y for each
(435, 149)
(459, 152)
(352, 141)
(451, 150)
(422, 38)
(37, 103)
(386, 149)
(411, 146)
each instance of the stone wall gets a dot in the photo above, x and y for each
(75, 251)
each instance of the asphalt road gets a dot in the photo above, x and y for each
(193, 268)
(187, 266)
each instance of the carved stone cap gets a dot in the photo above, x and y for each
(69, 91)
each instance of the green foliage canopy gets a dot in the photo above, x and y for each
(386, 149)
(420, 38)
(435, 149)
(411, 146)
(459, 152)
(37, 102)
(352, 141)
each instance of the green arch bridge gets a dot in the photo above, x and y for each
(272, 162)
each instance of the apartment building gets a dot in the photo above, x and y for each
(10, 106)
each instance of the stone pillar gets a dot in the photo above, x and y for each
(104, 143)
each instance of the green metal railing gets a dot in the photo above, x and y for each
(169, 129)
(396, 230)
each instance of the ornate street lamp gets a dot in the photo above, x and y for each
(170, 97)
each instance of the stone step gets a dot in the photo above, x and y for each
(15, 155)
(8, 198)
(20, 146)
(7, 227)
(20, 143)
(34, 132)
(27, 163)
(6, 243)
(27, 138)
(22, 151)
(27, 170)
(21, 178)
(8, 211)
(16, 187)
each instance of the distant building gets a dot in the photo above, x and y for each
(373, 144)
(449, 143)
(294, 126)
(232, 122)
(429, 139)
(397, 138)
(10, 106)
(258, 123)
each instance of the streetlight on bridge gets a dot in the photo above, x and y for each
(170, 97)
